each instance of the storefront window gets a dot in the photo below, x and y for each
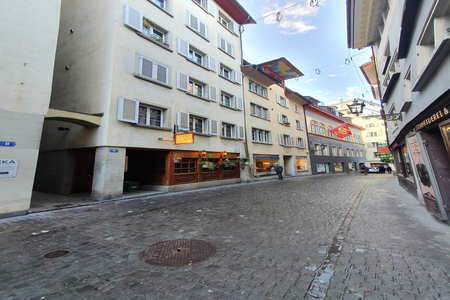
(302, 164)
(186, 165)
(338, 168)
(265, 164)
(408, 166)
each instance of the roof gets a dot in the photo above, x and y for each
(319, 110)
(236, 11)
(261, 76)
(283, 68)
(369, 72)
(297, 96)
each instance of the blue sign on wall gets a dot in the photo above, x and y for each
(266, 157)
(113, 150)
(7, 144)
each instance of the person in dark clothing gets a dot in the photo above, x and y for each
(279, 170)
(364, 169)
(389, 170)
(382, 170)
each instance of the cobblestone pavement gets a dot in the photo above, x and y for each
(317, 237)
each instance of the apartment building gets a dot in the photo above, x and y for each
(128, 79)
(275, 119)
(28, 53)
(411, 45)
(375, 133)
(328, 152)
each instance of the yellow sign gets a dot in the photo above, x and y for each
(184, 138)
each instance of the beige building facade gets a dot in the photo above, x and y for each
(28, 45)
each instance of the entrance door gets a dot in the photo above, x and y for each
(83, 171)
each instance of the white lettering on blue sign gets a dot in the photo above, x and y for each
(7, 144)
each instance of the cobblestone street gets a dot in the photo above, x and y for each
(318, 237)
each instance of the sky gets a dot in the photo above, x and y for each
(314, 40)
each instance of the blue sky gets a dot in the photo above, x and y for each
(310, 38)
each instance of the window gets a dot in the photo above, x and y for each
(261, 136)
(259, 111)
(314, 127)
(257, 89)
(196, 56)
(286, 140)
(197, 88)
(133, 111)
(232, 131)
(334, 150)
(153, 71)
(357, 153)
(326, 150)
(322, 129)
(228, 24)
(318, 149)
(160, 3)
(186, 165)
(231, 101)
(301, 143)
(196, 124)
(299, 125)
(232, 75)
(341, 151)
(135, 20)
(352, 152)
(197, 26)
(347, 151)
(282, 101)
(369, 134)
(329, 133)
(225, 46)
(296, 108)
(357, 138)
(285, 120)
(370, 125)
(373, 145)
(225, 72)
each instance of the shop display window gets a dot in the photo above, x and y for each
(265, 165)
(302, 164)
(186, 165)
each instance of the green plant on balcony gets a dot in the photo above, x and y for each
(225, 164)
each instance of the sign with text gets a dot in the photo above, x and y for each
(184, 138)
(8, 167)
(341, 131)
(7, 144)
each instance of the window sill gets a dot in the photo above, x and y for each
(259, 117)
(283, 106)
(232, 108)
(228, 29)
(226, 53)
(153, 41)
(258, 95)
(198, 97)
(223, 77)
(262, 143)
(151, 127)
(153, 81)
(196, 32)
(162, 9)
(197, 64)
(229, 138)
(204, 9)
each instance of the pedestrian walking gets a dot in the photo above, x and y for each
(382, 170)
(364, 169)
(389, 169)
(279, 170)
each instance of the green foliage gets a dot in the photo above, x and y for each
(226, 163)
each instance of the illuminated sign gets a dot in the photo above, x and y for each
(184, 138)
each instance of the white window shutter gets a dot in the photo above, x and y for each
(132, 17)
(162, 73)
(183, 120)
(302, 125)
(212, 93)
(238, 76)
(239, 102)
(292, 141)
(280, 118)
(183, 47)
(211, 8)
(128, 110)
(296, 108)
(287, 103)
(182, 81)
(289, 120)
(241, 132)
(203, 29)
(280, 139)
(193, 22)
(212, 63)
(230, 49)
(278, 98)
(236, 28)
(222, 44)
(146, 68)
(213, 127)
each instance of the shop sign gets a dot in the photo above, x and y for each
(184, 138)
(442, 113)
(265, 157)
(8, 167)
(7, 144)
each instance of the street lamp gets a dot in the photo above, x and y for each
(355, 106)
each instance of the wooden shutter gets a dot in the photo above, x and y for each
(302, 125)
(241, 132)
(127, 110)
(213, 127)
(182, 81)
(183, 47)
(132, 17)
(239, 102)
(212, 93)
(238, 76)
(280, 118)
(292, 141)
(287, 103)
(183, 120)
(212, 63)
(289, 120)
(278, 98)
(280, 139)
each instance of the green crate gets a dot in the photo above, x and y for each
(129, 186)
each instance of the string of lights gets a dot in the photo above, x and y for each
(312, 3)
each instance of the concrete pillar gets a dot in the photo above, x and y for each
(108, 173)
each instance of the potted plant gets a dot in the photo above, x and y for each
(226, 164)
(177, 160)
(203, 164)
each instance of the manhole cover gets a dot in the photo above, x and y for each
(56, 254)
(177, 253)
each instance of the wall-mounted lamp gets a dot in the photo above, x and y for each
(355, 106)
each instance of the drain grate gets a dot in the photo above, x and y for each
(177, 253)
(56, 254)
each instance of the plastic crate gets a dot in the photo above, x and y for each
(129, 186)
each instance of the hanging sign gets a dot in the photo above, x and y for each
(8, 167)
(341, 131)
(184, 138)
(7, 144)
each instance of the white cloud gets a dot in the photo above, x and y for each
(336, 75)
(294, 17)
(310, 80)
(353, 91)
(318, 92)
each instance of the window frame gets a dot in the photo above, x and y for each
(258, 133)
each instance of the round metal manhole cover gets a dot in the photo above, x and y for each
(56, 254)
(177, 253)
